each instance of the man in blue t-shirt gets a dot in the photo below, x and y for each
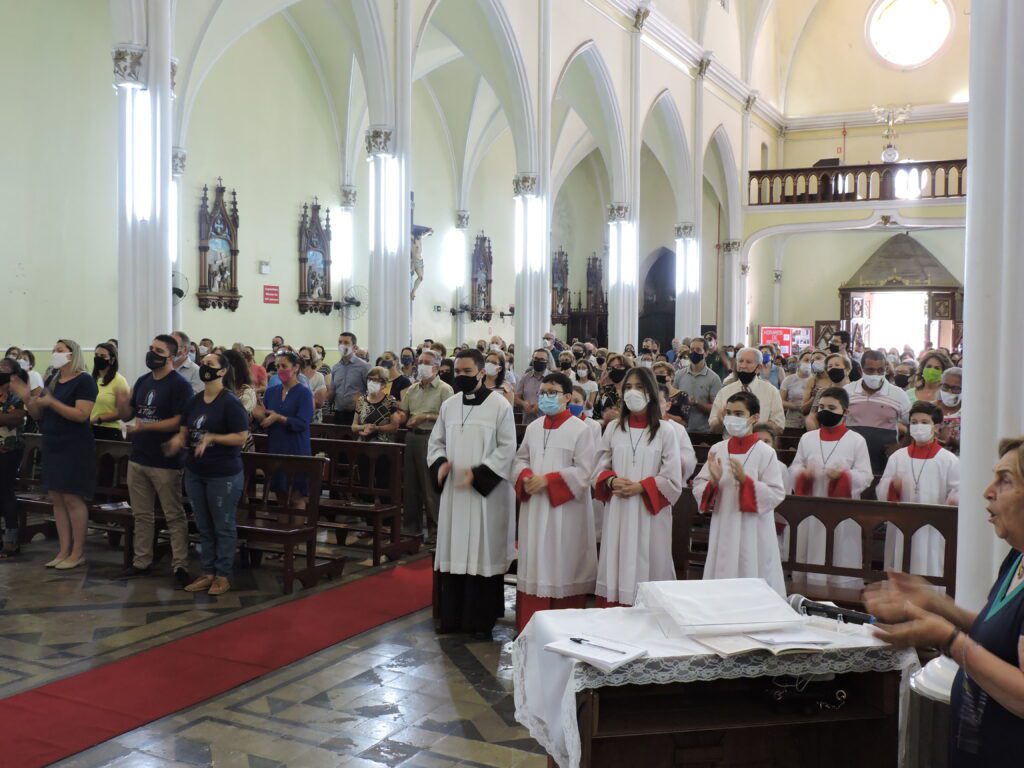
(157, 403)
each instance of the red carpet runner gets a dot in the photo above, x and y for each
(62, 718)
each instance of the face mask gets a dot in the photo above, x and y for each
(737, 426)
(790, 367)
(696, 358)
(207, 373)
(387, 364)
(893, 360)
(154, 361)
(766, 357)
(59, 359)
(805, 369)
(617, 374)
(25, 365)
(709, 343)
(549, 404)
(345, 350)
(578, 354)
(373, 387)
(745, 377)
(582, 373)
(540, 366)
(901, 380)
(829, 418)
(730, 354)
(491, 369)
(100, 363)
(921, 433)
(949, 399)
(873, 381)
(425, 371)
(547, 344)
(286, 376)
(635, 400)
(464, 383)
(407, 360)
(931, 375)
(192, 356)
(576, 409)
(833, 347)
(203, 350)
(661, 378)
(565, 365)
(599, 360)
(837, 375)
(818, 366)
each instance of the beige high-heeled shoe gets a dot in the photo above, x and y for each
(55, 562)
(67, 565)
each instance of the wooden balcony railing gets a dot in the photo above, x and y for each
(850, 183)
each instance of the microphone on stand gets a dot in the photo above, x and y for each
(801, 604)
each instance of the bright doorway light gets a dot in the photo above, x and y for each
(909, 33)
(898, 318)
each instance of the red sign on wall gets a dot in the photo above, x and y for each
(271, 294)
(786, 337)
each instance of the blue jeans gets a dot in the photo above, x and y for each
(214, 502)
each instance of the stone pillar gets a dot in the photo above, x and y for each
(533, 302)
(389, 286)
(993, 311)
(733, 278)
(343, 250)
(463, 292)
(622, 275)
(687, 320)
(142, 77)
(697, 163)
(178, 158)
(401, 308)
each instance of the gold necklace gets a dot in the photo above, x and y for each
(1020, 570)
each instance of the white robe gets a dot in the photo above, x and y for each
(475, 533)
(557, 544)
(787, 485)
(744, 544)
(687, 456)
(850, 454)
(597, 431)
(938, 483)
(636, 546)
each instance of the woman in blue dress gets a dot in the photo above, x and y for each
(286, 414)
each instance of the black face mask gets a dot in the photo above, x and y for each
(306, 362)
(901, 380)
(447, 378)
(540, 366)
(578, 354)
(836, 375)
(662, 379)
(833, 347)
(829, 418)
(154, 361)
(617, 374)
(208, 373)
(271, 367)
(745, 377)
(565, 365)
(406, 360)
(100, 363)
(387, 364)
(465, 383)
(696, 357)
(600, 361)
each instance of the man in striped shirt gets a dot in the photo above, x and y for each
(879, 411)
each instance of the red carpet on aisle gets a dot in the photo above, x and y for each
(62, 718)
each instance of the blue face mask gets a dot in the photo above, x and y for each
(766, 357)
(576, 409)
(549, 404)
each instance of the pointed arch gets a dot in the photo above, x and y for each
(665, 135)
(719, 154)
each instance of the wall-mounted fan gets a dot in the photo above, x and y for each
(356, 300)
(179, 287)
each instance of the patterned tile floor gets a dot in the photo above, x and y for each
(398, 695)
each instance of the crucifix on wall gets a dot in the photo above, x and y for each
(418, 232)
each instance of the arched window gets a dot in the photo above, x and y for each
(909, 33)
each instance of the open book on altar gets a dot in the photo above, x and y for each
(777, 641)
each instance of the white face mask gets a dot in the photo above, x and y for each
(203, 351)
(495, 347)
(59, 359)
(425, 371)
(646, 364)
(24, 365)
(345, 350)
(547, 343)
(873, 381)
(818, 366)
(922, 433)
(949, 399)
(635, 400)
(491, 369)
(737, 426)
(805, 368)
(373, 387)
(582, 373)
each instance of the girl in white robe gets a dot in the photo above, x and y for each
(740, 485)
(557, 544)
(834, 462)
(923, 473)
(638, 475)
(578, 408)
(687, 456)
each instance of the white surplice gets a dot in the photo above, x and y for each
(557, 544)
(687, 456)
(475, 533)
(596, 428)
(636, 546)
(743, 543)
(849, 454)
(938, 482)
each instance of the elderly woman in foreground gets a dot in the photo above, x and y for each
(987, 704)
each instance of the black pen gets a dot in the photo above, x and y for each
(584, 641)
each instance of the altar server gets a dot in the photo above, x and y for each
(639, 477)
(578, 408)
(766, 434)
(740, 486)
(557, 544)
(831, 461)
(687, 456)
(923, 473)
(470, 454)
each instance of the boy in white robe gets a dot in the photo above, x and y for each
(578, 407)
(557, 542)
(740, 485)
(831, 461)
(766, 434)
(470, 454)
(687, 456)
(639, 477)
(923, 473)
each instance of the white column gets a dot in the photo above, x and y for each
(178, 158)
(732, 275)
(401, 308)
(697, 164)
(629, 262)
(530, 258)
(343, 250)
(389, 286)
(622, 274)
(993, 311)
(687, 321)
(142, 75)
(457, 256)
(542, 284)
(779, 245)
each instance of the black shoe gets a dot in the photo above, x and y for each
(132, 572)
(181, 578)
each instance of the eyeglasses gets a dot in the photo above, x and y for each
(951, 389)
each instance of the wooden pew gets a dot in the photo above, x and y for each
(690, 532)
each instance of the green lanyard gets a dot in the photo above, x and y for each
(1003, 598)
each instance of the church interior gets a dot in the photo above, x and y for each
(380, 203)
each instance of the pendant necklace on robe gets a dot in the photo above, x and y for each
(465, 416)
(629, 434)
(917, 478)
(821, 447)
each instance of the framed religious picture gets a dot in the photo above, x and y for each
(824, 330)
(480, 290)
(218, 251)
(315, 261)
